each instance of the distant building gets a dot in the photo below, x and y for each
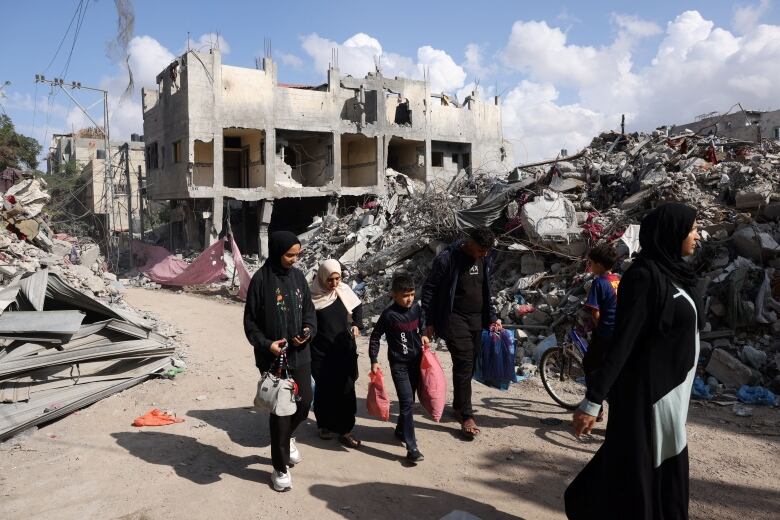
(89, 157)
(277, 154)
(749, 125)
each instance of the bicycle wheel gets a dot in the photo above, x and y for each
(563, 377)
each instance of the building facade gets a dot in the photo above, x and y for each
(233, 145)
(87, 156)
(748, 125)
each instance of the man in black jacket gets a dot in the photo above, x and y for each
(456, 302)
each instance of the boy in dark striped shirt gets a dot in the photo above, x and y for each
(401, 324)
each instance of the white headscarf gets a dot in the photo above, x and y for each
(323, 296)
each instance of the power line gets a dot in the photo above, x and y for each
(51, 62)
(83, 6)
(67, 31)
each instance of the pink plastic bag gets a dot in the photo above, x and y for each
(377, 402)
(433, 384)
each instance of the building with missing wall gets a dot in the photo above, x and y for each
(232, 144)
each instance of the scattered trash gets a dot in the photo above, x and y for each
(700, 390)
(742, 411)
(156, 417)
(756, 395)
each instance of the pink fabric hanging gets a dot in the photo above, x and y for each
(243, 275)
(162, 267)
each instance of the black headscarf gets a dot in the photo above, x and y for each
(280, 242)
(661, 235)
(280, 324)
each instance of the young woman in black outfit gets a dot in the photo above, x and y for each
(334, 354)
(279, 316)
(641, 470)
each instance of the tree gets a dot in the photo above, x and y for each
(16, 150)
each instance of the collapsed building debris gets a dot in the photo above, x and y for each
(546, 224)
(67, 339)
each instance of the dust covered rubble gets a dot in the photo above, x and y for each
(552, 213)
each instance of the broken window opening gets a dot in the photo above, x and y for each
(358, 160)
(151, 157)
(449, 158)
(360, 108)
(304, 158)
(403, 114)
(203, 166)
(407, 157)
(176, 148)
(243, 158)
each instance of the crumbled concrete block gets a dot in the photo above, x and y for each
(728, 369)
(354, 253)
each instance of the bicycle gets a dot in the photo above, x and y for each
(561, 370)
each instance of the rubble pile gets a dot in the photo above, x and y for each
(62, 348)
(549, 214)
(28, 244)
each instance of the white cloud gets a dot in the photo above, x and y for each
(475, 61)
(539, 128)
(291, 60)
(208, 41)
(746, 17)
(147, 58)
(697, 68)
(361, 53)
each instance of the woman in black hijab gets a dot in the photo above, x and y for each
(641, 470)
(279, 316)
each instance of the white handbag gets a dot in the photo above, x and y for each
(276, 395)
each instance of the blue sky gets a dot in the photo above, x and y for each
(565, 70)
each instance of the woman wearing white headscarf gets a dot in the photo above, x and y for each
(334, 353)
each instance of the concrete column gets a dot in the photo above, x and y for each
(263, 221)
(428, 169)
(216, 218)
(381, 160)
(333, 206)
(337, 159)
(270, 158)
(219, 152)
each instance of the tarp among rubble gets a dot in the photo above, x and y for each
(164, 268)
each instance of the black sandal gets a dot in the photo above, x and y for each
(350, 441)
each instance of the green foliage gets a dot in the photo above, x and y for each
(16, 150)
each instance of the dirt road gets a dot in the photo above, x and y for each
(216, 464)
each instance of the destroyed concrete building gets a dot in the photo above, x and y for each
(747, 125)
(88, 155)
(233, 145)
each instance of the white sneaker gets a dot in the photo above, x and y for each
(295, 455)
(281, 481)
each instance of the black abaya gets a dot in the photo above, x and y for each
(334, 367)
(641, 470)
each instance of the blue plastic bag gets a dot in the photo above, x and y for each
(496, 362)
(700, 390)
(756, 395)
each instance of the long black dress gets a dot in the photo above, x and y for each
(334, 367)
(641, 470)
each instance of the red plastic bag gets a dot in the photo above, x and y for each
(433, 384)
(377, 402)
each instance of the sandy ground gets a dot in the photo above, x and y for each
(216, 464)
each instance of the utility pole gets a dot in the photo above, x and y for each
(108, 185)
(129, 192)
(141, 195)
(623, 124)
